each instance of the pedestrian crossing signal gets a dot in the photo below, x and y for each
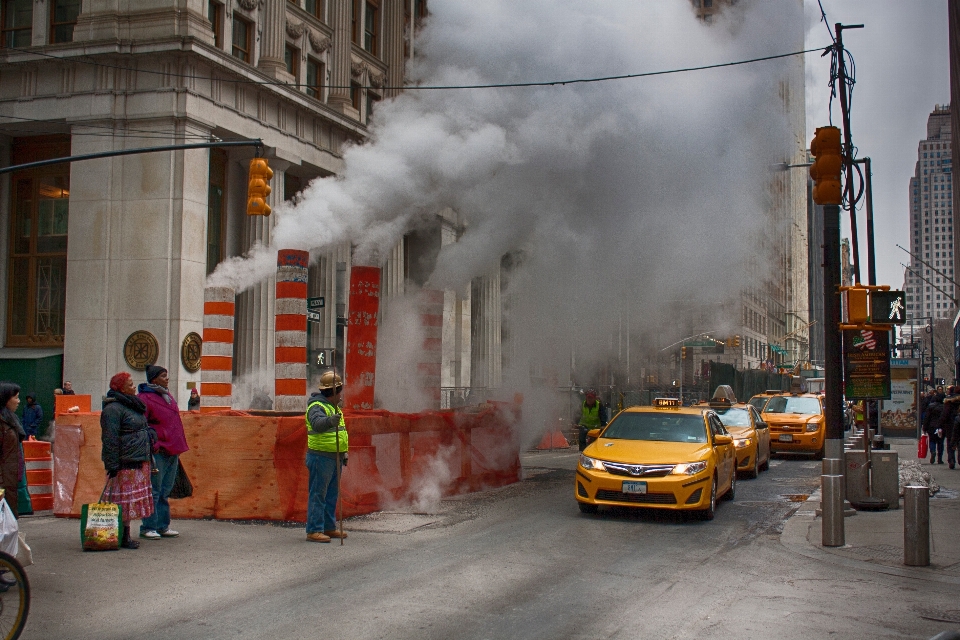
(258, 187)
(888, 307)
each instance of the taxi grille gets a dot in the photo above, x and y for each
(786, 427)
(639, 498)
(638, 470)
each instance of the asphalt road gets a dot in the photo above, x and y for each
(517, 562)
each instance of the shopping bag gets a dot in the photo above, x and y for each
(9, 540)
(24, 553)
(923, 446)
(100, 526)
(182, 487)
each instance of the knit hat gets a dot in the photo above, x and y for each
(153, 371)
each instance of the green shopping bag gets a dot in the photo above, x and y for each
(101, 525)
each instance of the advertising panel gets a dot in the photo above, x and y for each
(899, 415)
(866, 356)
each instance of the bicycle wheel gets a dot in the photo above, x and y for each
(14, 599)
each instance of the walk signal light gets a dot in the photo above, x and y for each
(258, 187)
(827, 169)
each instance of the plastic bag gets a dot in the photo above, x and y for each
(182, 487)
(24, 553)
(9, 529)
(100, 526)
(923, 446)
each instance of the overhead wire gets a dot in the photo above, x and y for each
(151, 132)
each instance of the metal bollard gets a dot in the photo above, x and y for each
(831, 493)
(832, 467)
(916, 526)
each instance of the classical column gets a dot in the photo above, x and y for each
(341, 20)
(272, 41)
(393, 46)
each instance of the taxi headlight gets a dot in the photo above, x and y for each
(690, 468)
(813, 425)
(742, 442)
(590, 463)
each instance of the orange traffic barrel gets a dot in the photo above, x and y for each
(39, 464)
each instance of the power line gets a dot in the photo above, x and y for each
(506, 85)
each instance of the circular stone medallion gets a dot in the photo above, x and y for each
(140, 349)
(190, 352)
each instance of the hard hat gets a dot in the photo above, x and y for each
(591, 392)
(330, 380)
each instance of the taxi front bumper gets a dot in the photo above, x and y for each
(796, 441)
(665, 492)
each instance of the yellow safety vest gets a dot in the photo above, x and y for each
(327, 440)
(590, 416)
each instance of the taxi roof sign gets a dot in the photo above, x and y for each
(666, 403)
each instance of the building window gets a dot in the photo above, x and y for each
(242, 30)
(216, 208)
(291, 58)
(356, 96)
(215, 16)
(314, 8)
(37, 271)
(371, 27)
(17, 22)
(63, 18)
(314, 79)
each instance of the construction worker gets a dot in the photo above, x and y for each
(326, 457)
(593, 415)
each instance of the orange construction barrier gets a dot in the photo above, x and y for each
(246, 466)
(39, 463)
(553, 440)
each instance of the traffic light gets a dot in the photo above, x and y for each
(828, 167)
(855, 309)
(258, 187)
(683, 353)
(736, 341)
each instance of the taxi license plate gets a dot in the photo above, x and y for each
(786, 437)
(634, 487)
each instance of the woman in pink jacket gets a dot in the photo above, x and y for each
(163, 416)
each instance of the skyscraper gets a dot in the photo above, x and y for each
(929, 290)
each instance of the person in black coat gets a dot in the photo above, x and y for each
(127, 453)
(933, 427)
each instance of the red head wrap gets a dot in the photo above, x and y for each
(118, 381)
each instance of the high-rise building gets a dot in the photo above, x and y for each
(930, 292)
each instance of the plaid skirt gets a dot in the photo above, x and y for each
(131, 490)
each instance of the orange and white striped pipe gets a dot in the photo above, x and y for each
(290, 387)
(216, 362)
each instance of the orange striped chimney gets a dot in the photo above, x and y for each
(290, 389)
(216, 363)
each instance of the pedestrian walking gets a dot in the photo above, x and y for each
(163, 416)
(933, 428)
(193, 404)
(593, 415)
(12, 467)
(951, 426)
(32, 415)
(126, 453)
(327, 445)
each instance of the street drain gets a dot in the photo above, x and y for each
(795, 497)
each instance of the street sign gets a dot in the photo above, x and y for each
(888, 307)
(699, 343)
(313, 316)
(866, 364)
(315, 303)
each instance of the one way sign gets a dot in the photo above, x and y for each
(888, 307)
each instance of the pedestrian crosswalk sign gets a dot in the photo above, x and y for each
(888, 307)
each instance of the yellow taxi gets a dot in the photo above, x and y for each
(797, 423)
(751, 436)
(759, 401)
(663, 456)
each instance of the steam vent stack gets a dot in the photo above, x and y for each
(361, 357)
(216, 363)
(291, 326)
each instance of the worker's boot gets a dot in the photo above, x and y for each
(317, 537)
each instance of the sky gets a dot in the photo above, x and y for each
(902, 72)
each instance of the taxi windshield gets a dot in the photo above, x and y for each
(791, 404)
(758, 403)
(734, 417)
(658, 426)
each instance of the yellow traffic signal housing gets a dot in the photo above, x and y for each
(683, 353)
(258, 187)
(827, 169)
(736, 341)
(855, 307)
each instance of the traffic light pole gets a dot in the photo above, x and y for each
(832, 344)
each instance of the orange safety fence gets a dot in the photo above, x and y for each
(245, 466)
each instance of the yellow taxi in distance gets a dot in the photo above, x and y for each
(751, 436)
(664, 456)
(797, 423)
(759, 401)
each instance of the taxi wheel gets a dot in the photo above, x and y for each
(753, 473)
(711, 511)
(766, 463)
(587, 508)
(731, 494)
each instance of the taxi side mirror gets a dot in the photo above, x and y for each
(722, 439)
(593, 433)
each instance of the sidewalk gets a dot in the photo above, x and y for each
(874, 540)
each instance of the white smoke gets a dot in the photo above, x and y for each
(621, 198)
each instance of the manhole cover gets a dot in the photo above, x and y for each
(795, 497)
(388, 522)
